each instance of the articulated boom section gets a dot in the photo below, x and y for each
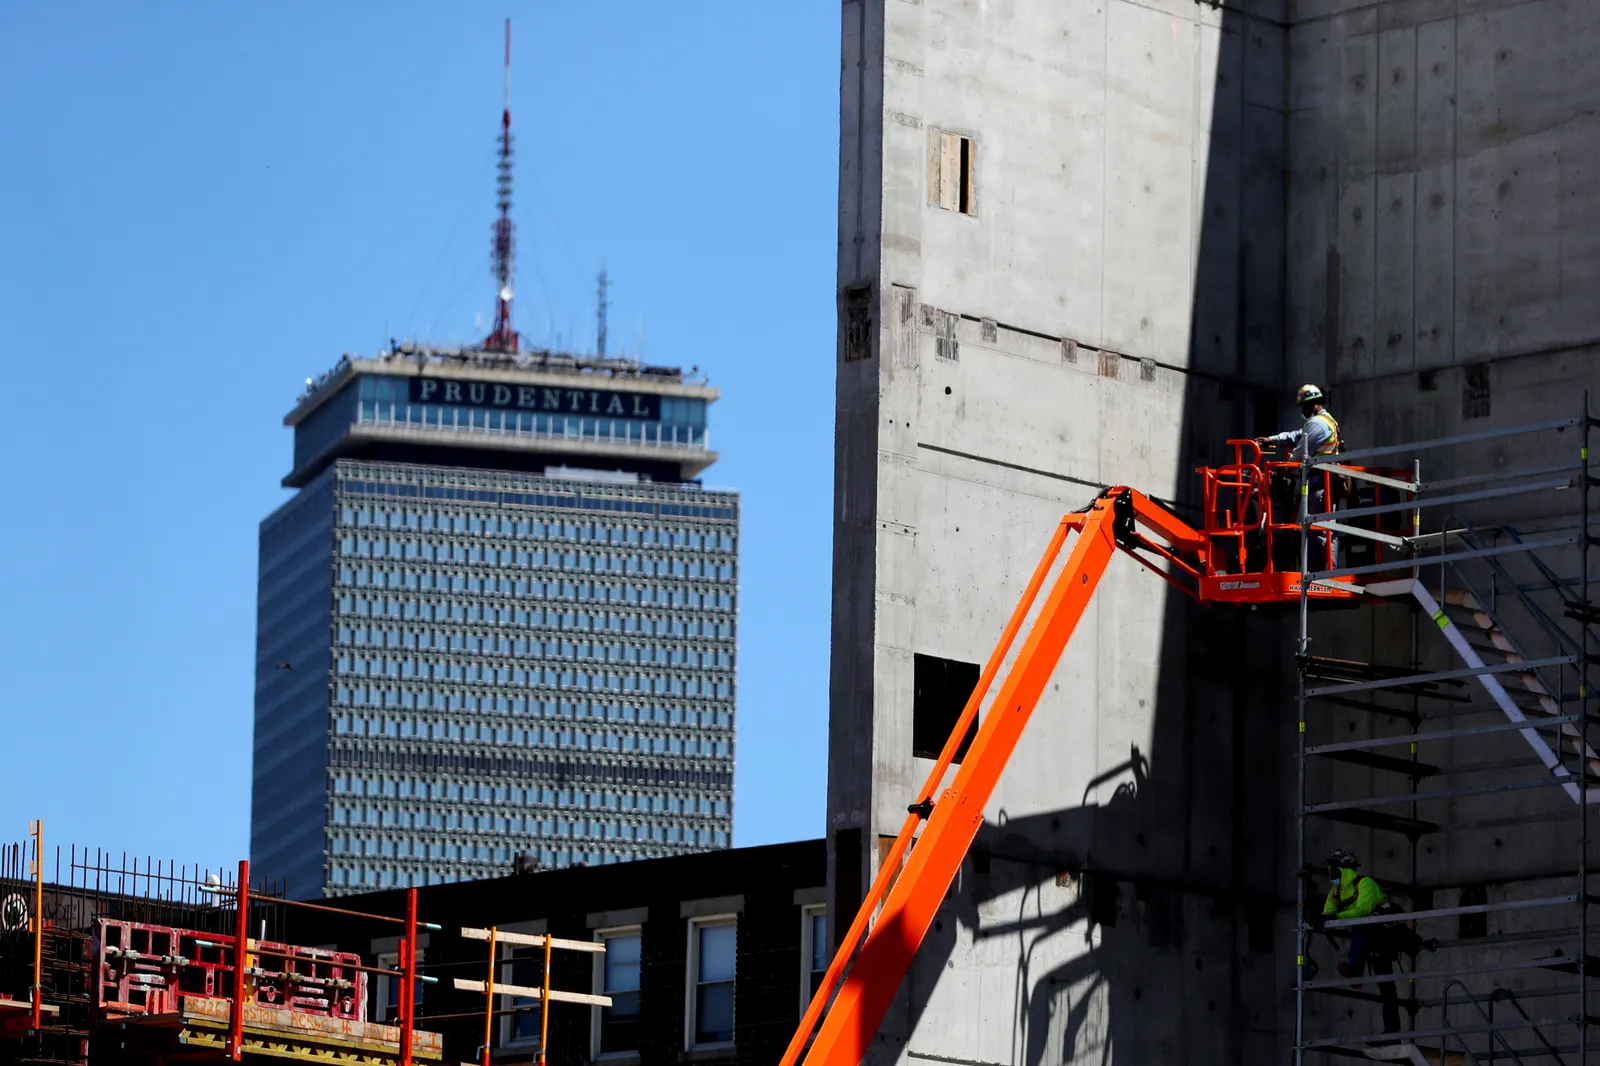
(911, 899)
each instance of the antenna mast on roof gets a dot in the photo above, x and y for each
(600, 314)
(504, 337)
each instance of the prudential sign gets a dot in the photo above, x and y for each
(602, 403)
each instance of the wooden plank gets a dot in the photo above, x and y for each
(536, 940)
(466, 985)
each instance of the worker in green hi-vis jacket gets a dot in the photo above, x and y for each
(1355, 895)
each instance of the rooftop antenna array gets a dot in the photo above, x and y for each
(600, 315)
(503, 254)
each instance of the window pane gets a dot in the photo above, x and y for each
(819, 941)
(622, 963)
(526, 968)
(714, 1014)
(716, 953)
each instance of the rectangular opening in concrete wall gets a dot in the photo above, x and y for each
(857, 322)
(847, 887)
(940, 689)
(952, 172)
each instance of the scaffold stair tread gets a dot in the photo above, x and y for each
(1415, 770)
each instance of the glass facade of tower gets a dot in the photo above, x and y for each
(457, 666)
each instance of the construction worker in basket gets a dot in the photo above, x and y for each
(1375, 946)
(1319, 436)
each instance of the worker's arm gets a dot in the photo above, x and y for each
(1315, 434)
(1331, 905)
(1288, 436)
(1368, 896)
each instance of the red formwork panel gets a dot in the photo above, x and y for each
(146, 969)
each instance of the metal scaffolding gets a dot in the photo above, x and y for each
(1466, 732)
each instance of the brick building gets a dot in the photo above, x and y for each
(708, 956)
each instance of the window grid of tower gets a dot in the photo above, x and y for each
(523, 663)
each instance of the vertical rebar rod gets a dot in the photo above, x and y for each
(37, 829)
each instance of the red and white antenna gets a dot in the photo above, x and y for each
(503, 253)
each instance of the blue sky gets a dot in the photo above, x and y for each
(202, 205)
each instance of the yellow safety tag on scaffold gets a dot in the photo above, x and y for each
(1441, 620)
(1302, 727)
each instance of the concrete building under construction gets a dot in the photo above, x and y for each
(1085, 243)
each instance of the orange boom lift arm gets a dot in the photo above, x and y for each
(911, 899)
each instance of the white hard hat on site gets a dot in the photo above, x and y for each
(1307, 394)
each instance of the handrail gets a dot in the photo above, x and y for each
(1494, 1034)
(1473, 536)
(1556, 581)
(1487, 607)
(1510, 997)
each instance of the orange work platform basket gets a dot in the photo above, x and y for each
(1251, 526)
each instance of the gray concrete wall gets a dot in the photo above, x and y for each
(1444, 222)
(1114, 312)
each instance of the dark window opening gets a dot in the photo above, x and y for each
(940, 691)
(964, 194)
(847, 888)
(857, 323)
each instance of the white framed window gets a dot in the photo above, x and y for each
(709, 982)
(615, 1029)
(814, 956)
(519, 964)
(385, 990)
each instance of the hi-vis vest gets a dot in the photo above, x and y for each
(1331, 445)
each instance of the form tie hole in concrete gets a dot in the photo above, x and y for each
(1498, 842)
(1199, 964)
(947, 390)
(1137, 994)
